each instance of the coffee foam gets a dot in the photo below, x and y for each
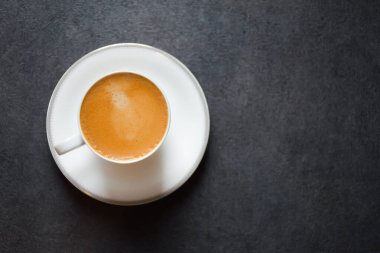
(119, 98)
(124, 116)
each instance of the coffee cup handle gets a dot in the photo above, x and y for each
(69, 144)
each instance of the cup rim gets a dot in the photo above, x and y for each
(138, 159)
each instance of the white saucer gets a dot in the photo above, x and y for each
(163, 172)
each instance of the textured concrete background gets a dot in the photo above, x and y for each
(293, 160)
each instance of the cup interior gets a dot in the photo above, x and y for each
(132, 160)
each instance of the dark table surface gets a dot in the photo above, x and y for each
(293, 159)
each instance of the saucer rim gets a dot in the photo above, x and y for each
(179, 183)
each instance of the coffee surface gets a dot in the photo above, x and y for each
(124, 116)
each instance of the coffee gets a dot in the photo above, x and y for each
(124, 116)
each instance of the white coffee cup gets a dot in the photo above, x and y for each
(78, 140)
